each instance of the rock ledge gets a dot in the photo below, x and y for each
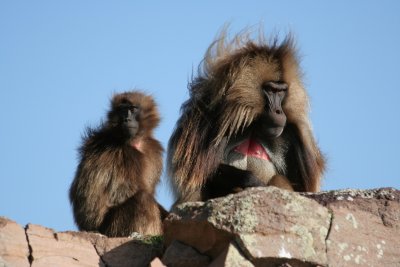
(256, 227)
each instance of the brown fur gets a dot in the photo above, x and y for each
(281, 182)
(114, 186)
(226, 99)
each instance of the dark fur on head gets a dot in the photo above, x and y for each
(225, 100)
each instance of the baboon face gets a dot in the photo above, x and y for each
(134, 113)
(258, 92)
(272, 121)
(252, 103)
(128, 118)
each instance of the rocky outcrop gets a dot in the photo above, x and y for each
(256, 227)
(14, 249)
(39, 246)
(272, 227)
(365, 227)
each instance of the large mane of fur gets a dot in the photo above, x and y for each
(220, 106)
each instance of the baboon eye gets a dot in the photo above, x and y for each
(127, 106)
(274, 87)
(134, 108)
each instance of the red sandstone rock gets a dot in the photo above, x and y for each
(124, 251)
(180, 255)
(48, 248)
(231, 256)
(266, 223)
(271, 227)
(60, 249)
(257, 227)
(365, 228)
(13, 245)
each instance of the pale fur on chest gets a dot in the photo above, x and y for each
(262, 169)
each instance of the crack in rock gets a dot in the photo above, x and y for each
(327, 241)
(100, 256)
(30, 256)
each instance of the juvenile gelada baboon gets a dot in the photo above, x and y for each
(245, 124)
(120, 166)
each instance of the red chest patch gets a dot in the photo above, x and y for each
(137, 144)
(251, 147)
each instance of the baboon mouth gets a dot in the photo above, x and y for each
(131, 127)
(273, 132)
(253, 148)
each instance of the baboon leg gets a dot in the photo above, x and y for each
(141, 213)
(280, 181)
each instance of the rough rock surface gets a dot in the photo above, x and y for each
(256, 227)
(13, 245)
(231, 256)
(40, 246)
(273, 227)
(180, 255)
(267, 224)
(365, 228)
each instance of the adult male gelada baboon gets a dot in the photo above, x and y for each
(245, 124)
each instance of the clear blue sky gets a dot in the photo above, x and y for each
(60, 61)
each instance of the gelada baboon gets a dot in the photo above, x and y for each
(245, 124)
(120, 165)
